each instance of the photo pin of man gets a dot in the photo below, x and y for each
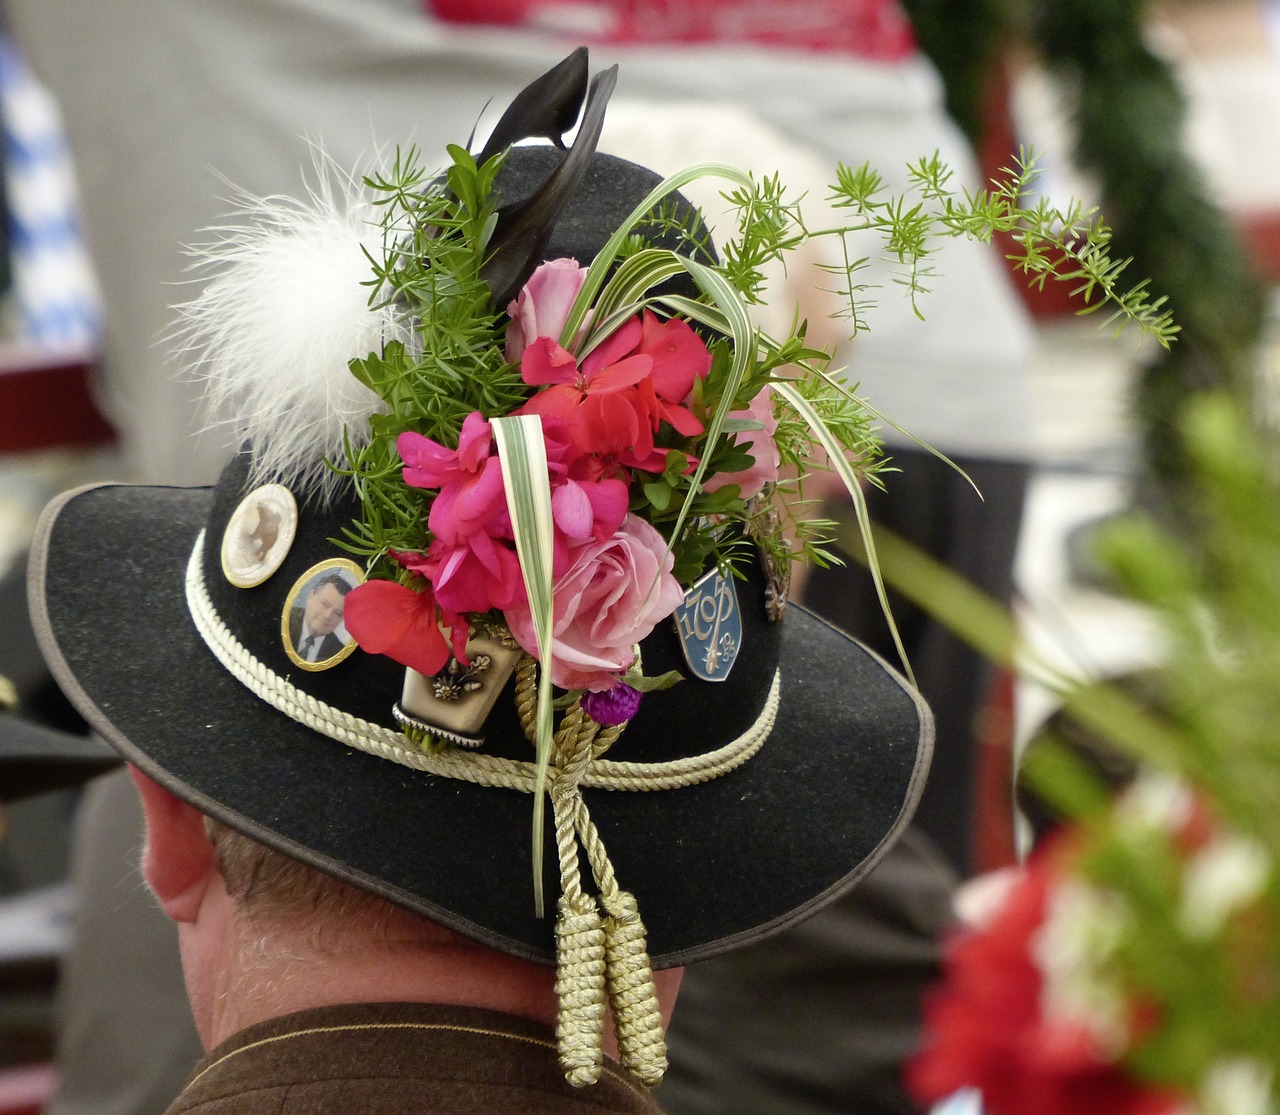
(312, 626)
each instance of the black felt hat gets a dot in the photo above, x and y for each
(35, 759)
(190, 671)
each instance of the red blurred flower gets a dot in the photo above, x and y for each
(679, 357)
(986, 1029)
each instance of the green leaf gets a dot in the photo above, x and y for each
(840, 465)
(523, 454)
(658, 493)
(727, 299)
(643, 684)
(599, 269)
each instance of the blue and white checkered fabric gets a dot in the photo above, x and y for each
(54, 287)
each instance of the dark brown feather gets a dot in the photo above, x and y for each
(546, 108)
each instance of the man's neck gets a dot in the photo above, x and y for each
(272, 974)
(239, 974)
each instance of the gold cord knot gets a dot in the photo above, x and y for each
(632, 994)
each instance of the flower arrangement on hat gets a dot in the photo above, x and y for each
(1133, 967)
(661, 427)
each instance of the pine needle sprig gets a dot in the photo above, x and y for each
(435, 231)
(769, 226)
(1069, 246)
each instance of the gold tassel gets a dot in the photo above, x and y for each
(580, 987)
(632, 994)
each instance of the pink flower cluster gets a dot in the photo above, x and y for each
(612, 571)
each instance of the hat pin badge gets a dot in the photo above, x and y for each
(709, 625)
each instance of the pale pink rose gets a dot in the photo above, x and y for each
(543, 304)
(761, 446)
(612, 596)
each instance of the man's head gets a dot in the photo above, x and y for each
(322, 610)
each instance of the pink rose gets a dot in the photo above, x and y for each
(759, 443)
(543, 304)
(612, 596)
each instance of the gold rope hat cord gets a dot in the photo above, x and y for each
(625, 971)
(594, 954)
(581, 941)
(465, 766)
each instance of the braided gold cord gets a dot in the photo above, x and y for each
(633, 997)
(527, 696)
(566, 800)
(580, 936)
(527, 708)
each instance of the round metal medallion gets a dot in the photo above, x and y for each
(258, 535)
(311, 625)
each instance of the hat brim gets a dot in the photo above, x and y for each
(35, 759)
(712, 865)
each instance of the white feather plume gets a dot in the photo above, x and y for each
(273, 329)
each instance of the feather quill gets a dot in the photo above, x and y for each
(545, 108)
(523, 231)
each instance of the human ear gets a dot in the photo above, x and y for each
(177, 859)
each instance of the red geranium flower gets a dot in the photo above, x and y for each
(624, 390)
(385, 617)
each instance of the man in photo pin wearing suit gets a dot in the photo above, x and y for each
(312, 627)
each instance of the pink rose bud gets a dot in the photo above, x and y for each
(543, 304)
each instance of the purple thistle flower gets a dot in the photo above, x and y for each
(612, 706)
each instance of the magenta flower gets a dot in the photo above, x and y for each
(471, 497)
(476, 574)
(611, 707)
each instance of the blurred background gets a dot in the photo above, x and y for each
(1166, 115)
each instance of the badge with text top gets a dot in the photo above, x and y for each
(710, 626)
